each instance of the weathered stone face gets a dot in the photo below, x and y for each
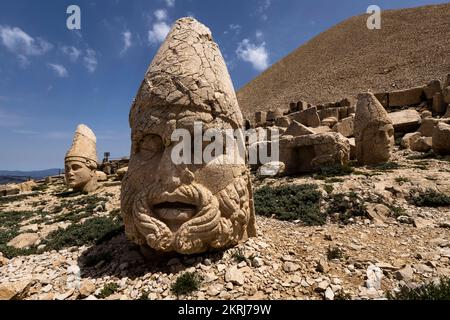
(81, 161)
(373, 130)
(188, 208)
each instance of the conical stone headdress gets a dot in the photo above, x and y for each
(189, 71)
(83, 145)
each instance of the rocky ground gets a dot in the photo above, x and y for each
(58, 245)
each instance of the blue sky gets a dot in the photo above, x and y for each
(52, 78)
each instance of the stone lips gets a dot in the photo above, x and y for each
(184, 208)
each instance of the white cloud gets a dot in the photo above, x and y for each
(158, 32)
(127, 42)
(259, 35)
(72, 52)
(90, 60)
(21, 43)
(60, 70)
(256, 55)
(170, 3)
(160, 14)
(264, 5)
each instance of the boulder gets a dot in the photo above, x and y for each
(439, 107)
(321, 129)
(328, 113)
(345, 126)
(297, 129)
(441, 138)
(329, 122)
(310, 152)
(121, 172)
(423, 144)
(447, 113)
(343, 112)
(410, 138)
(405, 120)
(446, 94)
(406, 97)
(309, 117)
(235, 276)
(260, 118)
(432, 88)
(15, 290)
(272, 115)
(426, 126)
(271, 169)
(283, 121)
(24, 240)
(101, 176)
(27, 186)
(426, 114)
(9, 190)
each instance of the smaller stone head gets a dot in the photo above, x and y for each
(81, 161)
(374, 132)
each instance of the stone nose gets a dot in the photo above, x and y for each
(171, 175)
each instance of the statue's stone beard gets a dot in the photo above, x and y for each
(219, 220)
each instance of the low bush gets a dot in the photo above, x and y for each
(290, 202)
(186, 283)
(430, 291)
(429, 198)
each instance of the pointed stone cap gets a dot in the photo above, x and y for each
(189, 71)
(369, 111)
(83, 145)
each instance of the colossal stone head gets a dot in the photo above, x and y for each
(187, 208)
(373, 130)
(81, 161)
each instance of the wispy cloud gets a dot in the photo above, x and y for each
(160, 14)
(127, 42)
(22, 44)
(262, 8)
(72, 52)
(60, 70)
(234, 28)
(90, 60)
(170, 3)
(160, 28)
(158, 32)
(257, 55)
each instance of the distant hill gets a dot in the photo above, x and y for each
(412, 48)
(20, 176)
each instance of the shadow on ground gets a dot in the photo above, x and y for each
(121, 258)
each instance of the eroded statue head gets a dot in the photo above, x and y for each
(81, 161)
(187, 208)
(374, 132)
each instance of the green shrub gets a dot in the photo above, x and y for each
(429, 198)
(347, 205)
(291, 202)
(239, 255)
(341, 295)
(334, 171)
(334, 253)
(430, 291)
(387, 166)
(186, 283)
(92, 259)
(328, 188)
(401, 180)
(108, 289)
(92, 231)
